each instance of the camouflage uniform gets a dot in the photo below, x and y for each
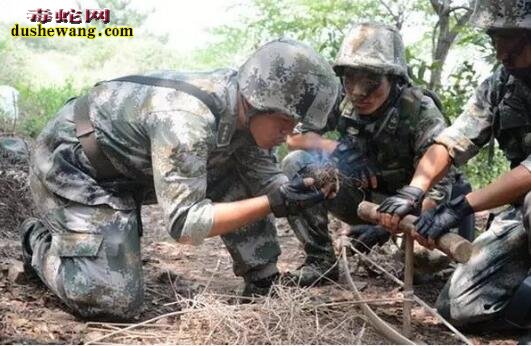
(166, 143)
(480, 289)
(395, 146)
(160, 139)
(394, 140)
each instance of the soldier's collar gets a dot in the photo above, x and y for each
(228, 119)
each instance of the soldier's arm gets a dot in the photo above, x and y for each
(463, 139)
(230, 216)
(433, 165)
(510, 187)
(429, 124)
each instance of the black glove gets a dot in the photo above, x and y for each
(291, 197)
(438, 221)
(407, 200)
(366, 236)
(352, 162)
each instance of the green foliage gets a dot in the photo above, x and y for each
(480, 171)
(460, 88)
(38, 105)
(321, 24)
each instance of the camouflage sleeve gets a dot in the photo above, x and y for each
(259, 169)
(473, 128)
(427, 127)
(179, 152)
(527, 163)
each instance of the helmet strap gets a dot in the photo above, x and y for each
(394, 94)
(243, 110)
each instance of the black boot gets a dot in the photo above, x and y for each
(258, 288)
(30, 229)
(315, 271)
(365, 237)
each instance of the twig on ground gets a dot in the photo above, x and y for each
(379, 324)
(416, 298)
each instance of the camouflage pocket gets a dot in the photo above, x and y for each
(76, 244)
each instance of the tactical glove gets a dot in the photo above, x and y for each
(291, 197)
(407, 200)
(364, 237)
(438, 221)
(352, 162)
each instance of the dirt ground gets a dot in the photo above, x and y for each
(191, 297)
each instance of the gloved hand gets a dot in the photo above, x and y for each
(407, 200)
(364, 237)
(353, 163)
(289, 198)
(438, 221)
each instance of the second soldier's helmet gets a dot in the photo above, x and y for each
(375, 47)
(502, 14)
(289, 77)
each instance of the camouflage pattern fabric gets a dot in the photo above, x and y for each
(479, 290)
(499, 108)
(373, 47)
(414, 137)
(289, 77)
(502, 14)
(161, 140)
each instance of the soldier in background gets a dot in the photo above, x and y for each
(385, 125)
(494, 287)
(200, 142)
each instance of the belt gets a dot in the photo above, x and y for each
(85, 133)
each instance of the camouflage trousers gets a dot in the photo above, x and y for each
(89, 256)
(479, 290)
(311, 225)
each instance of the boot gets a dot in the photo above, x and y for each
(26, 229)
(315, 271)
(365, 237)
(258, 288)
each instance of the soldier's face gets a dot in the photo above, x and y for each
(270, 129)
(513, 48)
(366, 91)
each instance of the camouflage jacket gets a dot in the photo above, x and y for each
(396, 140)
(159, 139)
(501, 107)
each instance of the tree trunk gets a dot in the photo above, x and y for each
(444, 36)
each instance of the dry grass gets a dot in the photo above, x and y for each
(293, 316)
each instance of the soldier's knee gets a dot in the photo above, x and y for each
(527, 202)
(117, 299)
(526, 210)
(295, 161)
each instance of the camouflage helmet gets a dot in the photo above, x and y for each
(289, 77)
(374, 47)
(502, 14)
